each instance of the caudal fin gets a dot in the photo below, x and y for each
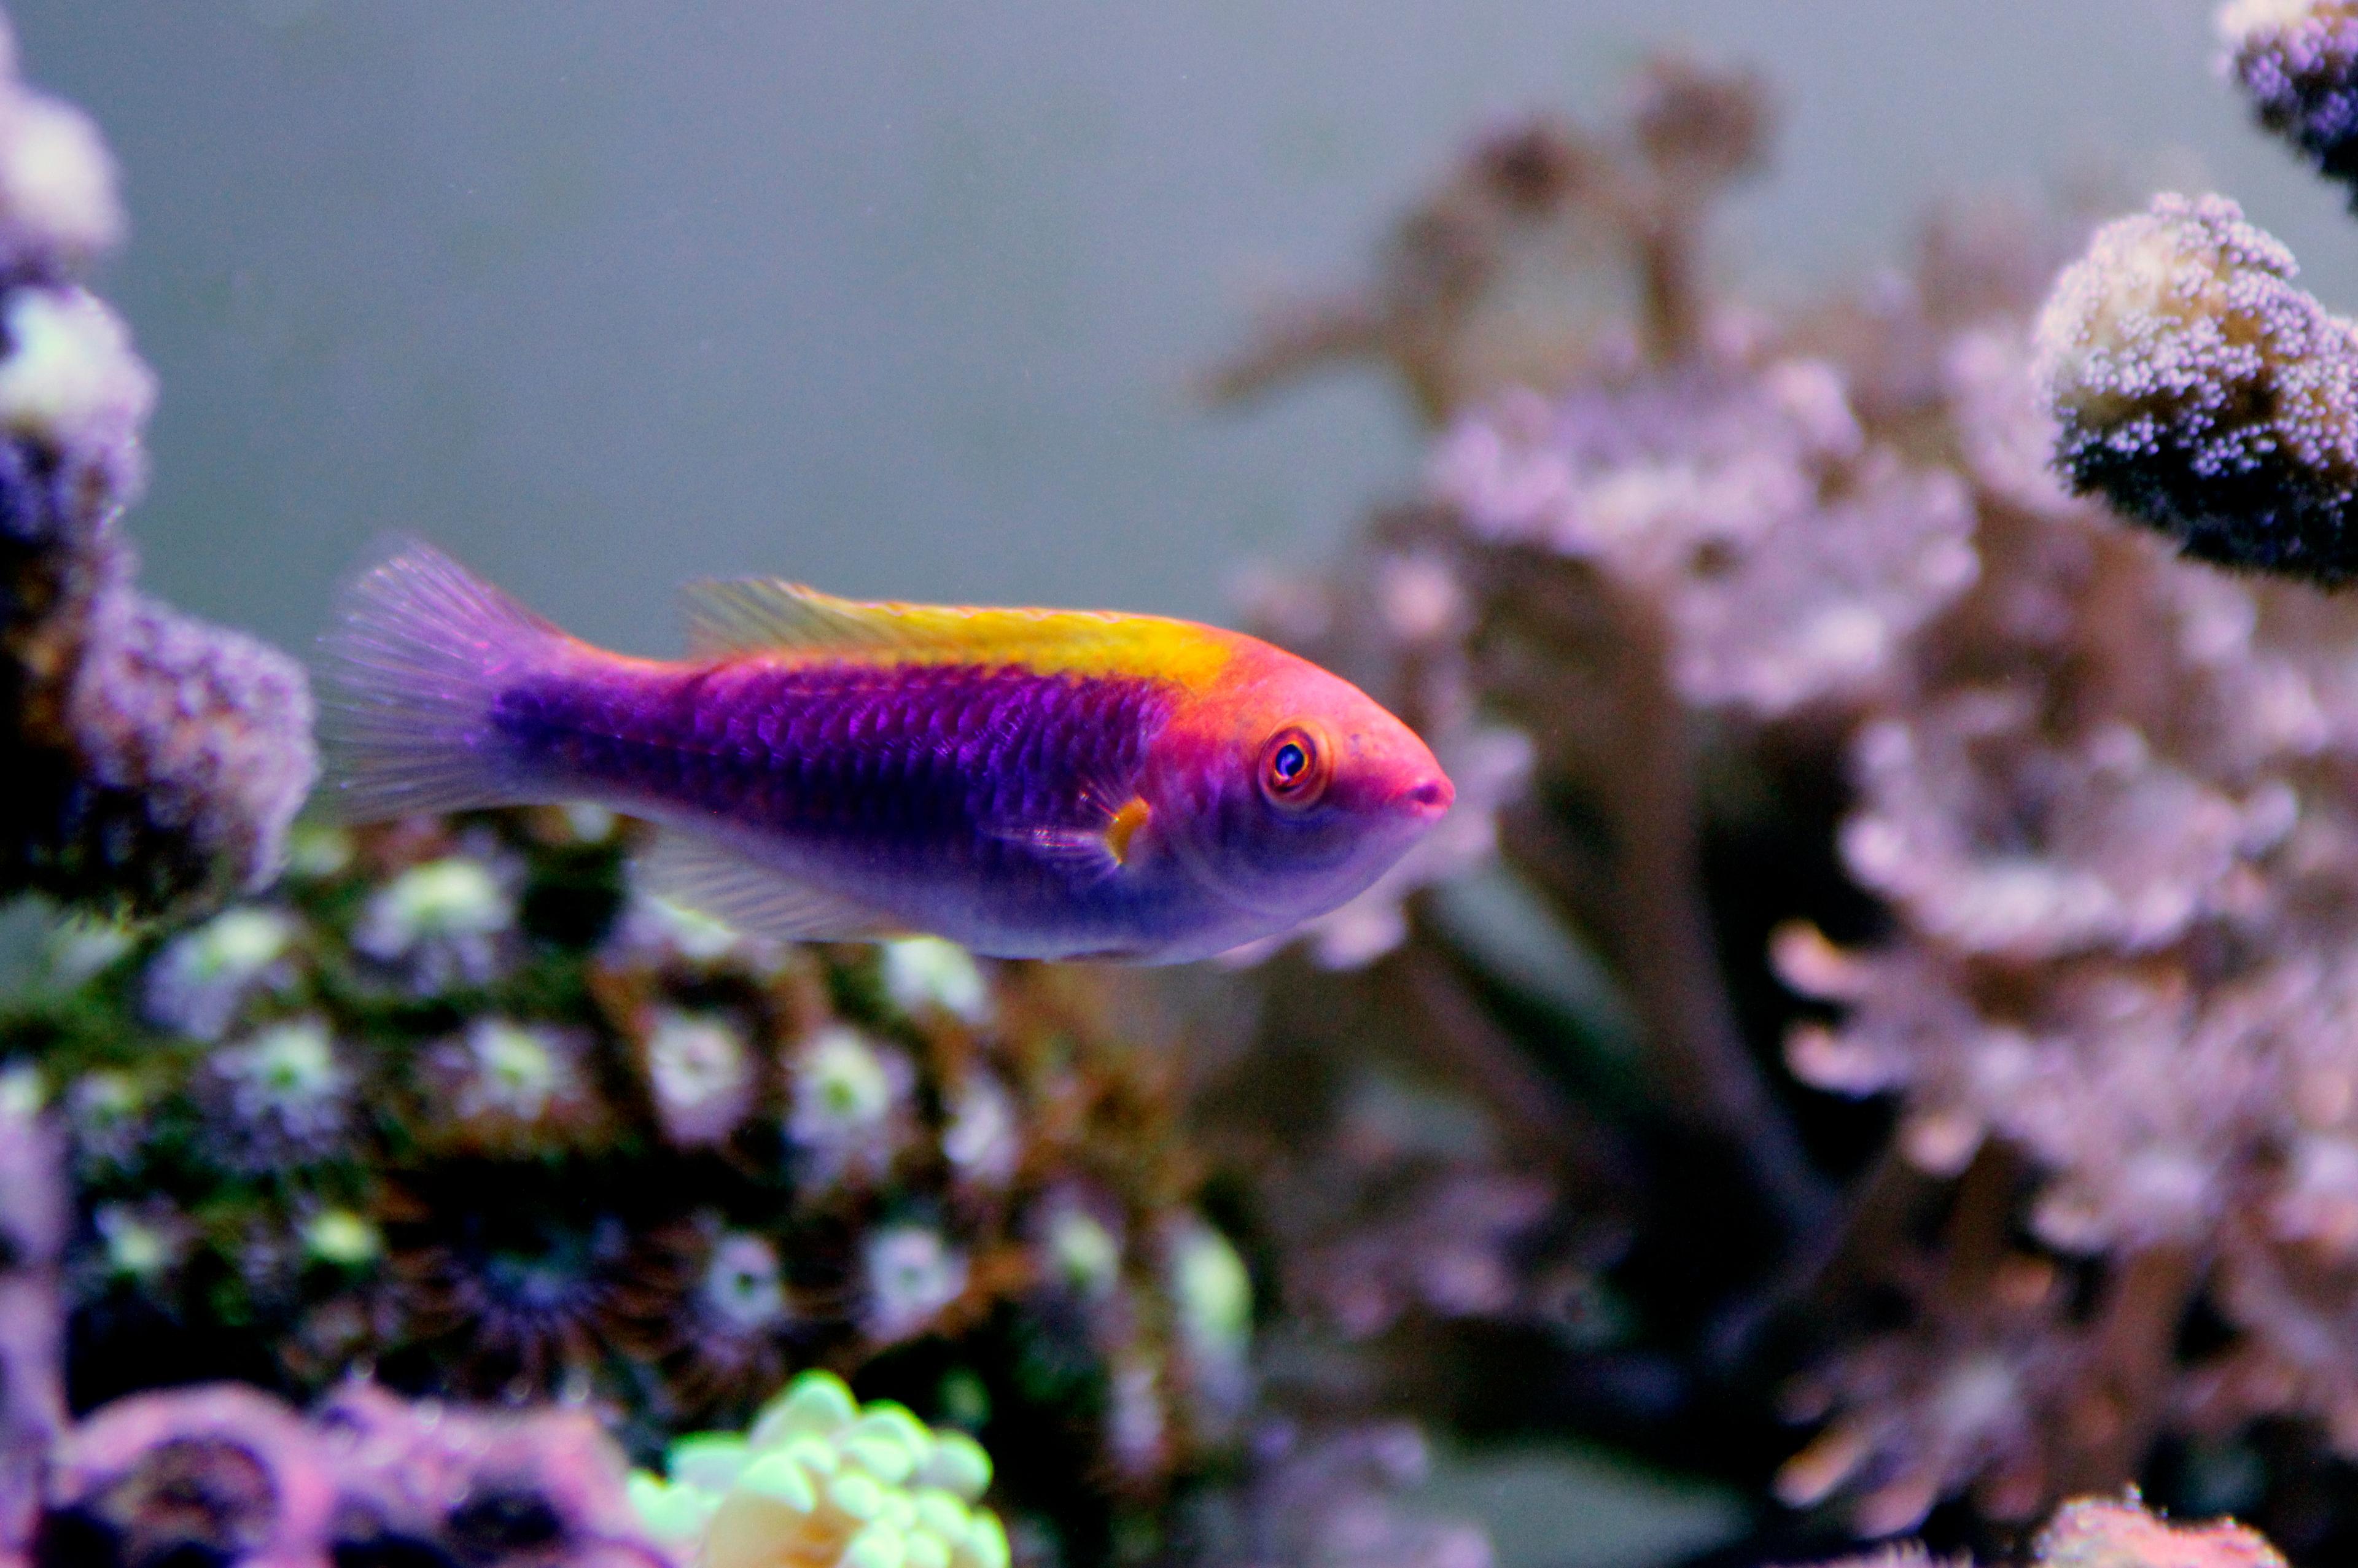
(421, 649)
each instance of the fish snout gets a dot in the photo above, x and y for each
(1427, 799)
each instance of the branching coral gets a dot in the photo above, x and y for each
(1537, 252)
(1798, 614)
(2111, 826)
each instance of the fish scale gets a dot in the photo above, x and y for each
(830, 749)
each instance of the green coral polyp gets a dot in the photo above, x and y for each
(821, 1480)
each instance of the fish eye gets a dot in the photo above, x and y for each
(1294, 767)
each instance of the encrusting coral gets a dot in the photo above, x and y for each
(226, 1474)
(148, 757)
(457, 1102)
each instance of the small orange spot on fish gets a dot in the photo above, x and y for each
(1124, 827)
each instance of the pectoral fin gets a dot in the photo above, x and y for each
(1094, 849)
(710, 877)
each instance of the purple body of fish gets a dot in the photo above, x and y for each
(891, 762)
(962, 778)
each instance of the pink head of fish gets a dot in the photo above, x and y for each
(1281, 791)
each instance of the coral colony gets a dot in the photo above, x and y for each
(148, 757)
(1874, 1038)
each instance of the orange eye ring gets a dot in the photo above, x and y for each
(1296, 765)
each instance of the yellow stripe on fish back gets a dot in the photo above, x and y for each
(787, 620)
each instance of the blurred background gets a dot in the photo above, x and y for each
(904, 298)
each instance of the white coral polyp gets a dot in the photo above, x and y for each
(2242, 21)
(70, 378)
(57, 182)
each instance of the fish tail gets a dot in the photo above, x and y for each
(421, 650)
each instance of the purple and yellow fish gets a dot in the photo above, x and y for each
(1030, 783)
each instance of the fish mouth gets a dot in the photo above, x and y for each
(1426, 799)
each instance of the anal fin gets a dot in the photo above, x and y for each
(709, 876)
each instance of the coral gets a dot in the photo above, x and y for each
(2203, 392)
(700, 1074)
(510, 1088)
(2096, 1532)
(710, 1306)
(2109, 826)
(2297, 62)
(1506, 275)
(1795, 559)
(1857, 725)
(33, 1214)
(544, 1486)
(1327, 1497)
(821, 1479)
(455, 1102)
(224, 1474)
(846, 1099)
(2092, 1533)
(57, 204)
(2106, 841)
(441, 924)
(207, 973)
(909, 1273)
(281, 1096)
(150, 758)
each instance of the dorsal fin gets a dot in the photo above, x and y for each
(750, 615)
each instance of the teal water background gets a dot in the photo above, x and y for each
(902, 297)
